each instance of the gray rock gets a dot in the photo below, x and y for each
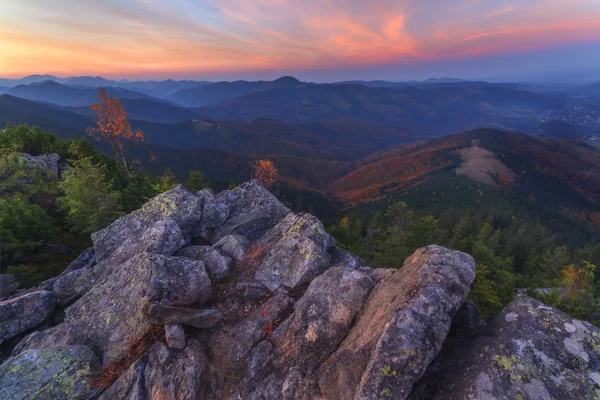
(71, 286)
(247, 333)
(217, 265)
(52, 337)
(529, 351)
(162, 226)
(163, 373)
(47, 285)
(8, 285)
(343, 258)
(201, 319)
(253, 210)
(401, 328)
(113, 312)
(25, 312)
(298, 252)
(214, 213)
(233, 246)
(49, 163)
(58, 373)
(252, 290)
(86, 259)
(175, 336)
(377, 274)
(321, 320)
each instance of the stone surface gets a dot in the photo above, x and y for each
(163, 373)
(58, 373)
(113, 312)
(298, 252)
(200, 319)
(49, 163)
(529, 351)
(253, 210)
(343, 258)
(214, 213)
(232, 246)
(25, 312)
(401, 328)
(8, 285)
(86, 259)
(217, 265)
(70, 286)
(175, 336)
(52, 337)
(162, 226)
(321, 320)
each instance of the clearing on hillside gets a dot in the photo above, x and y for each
(481, 165)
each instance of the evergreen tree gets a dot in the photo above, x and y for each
(166, 182)
(196, 181)
(90, 201)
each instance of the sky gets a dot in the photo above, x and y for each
(314, 40)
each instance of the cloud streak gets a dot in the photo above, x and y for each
(167, 37)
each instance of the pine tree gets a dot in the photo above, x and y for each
(196, 181)
(90, 201)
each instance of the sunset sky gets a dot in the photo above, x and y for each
(315, 40)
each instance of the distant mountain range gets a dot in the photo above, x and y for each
(63, 95)
(363, 142)
(217, 92)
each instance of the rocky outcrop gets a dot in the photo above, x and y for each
(49, 163)
(163, 373)
(298, 251)
(62, 372)
(253, 210)
(217, 265)
(272, 308)
(113, 313)
(529, 351)
(22, 313)
(401, 327)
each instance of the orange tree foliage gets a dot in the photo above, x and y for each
(265, 171)
(113, 126)
(578, 279)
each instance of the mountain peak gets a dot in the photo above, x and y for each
(288, 80)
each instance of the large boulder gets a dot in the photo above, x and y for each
(253, 210)
(163, 373)
(217, 265)
(529, 351)
(401, 327)
(298, 252)
(70, 286)
(48, 163)
(233, 246)
(8, 285)
(321, 320)
(113, 312)
(62, 372)
(86, 259)
(214, 213)
(55, 336)
(162, 226)
(25, 312)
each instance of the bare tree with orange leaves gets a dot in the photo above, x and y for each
(265, 171)
(113, 126)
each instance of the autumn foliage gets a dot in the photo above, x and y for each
(265, 171)
(113, 126)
